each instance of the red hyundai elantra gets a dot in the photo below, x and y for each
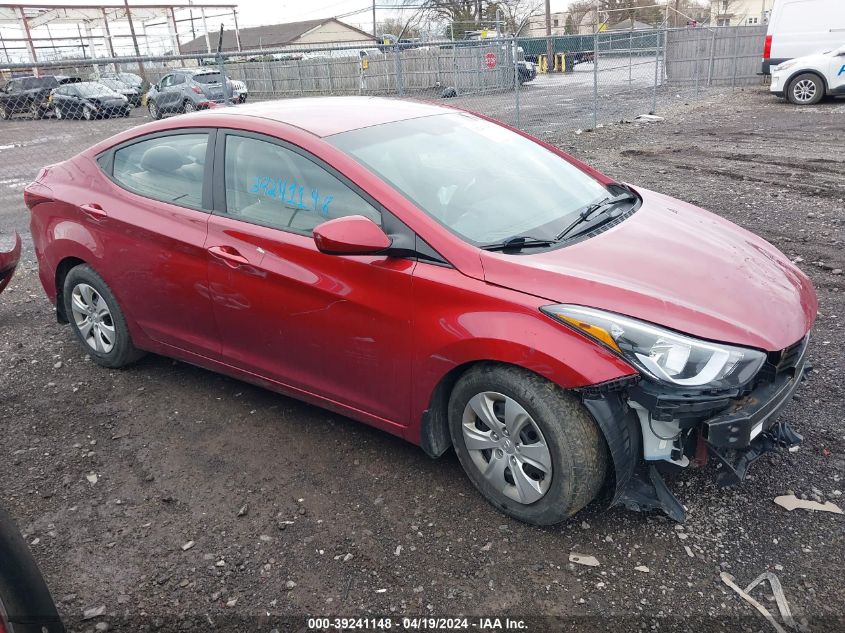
(442, 277)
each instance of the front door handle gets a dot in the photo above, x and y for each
(230, 256)
(93, 211)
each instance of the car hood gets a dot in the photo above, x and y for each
(678, 266)
(9, 261)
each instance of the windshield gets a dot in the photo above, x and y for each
(478, 179)
(90, 89)
(114, 84)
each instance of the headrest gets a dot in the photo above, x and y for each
(198, 153)
(162, 158)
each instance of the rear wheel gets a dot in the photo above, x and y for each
(57, 111)
(189, 107)
(87, 113)
(35, 111)
(530, 447)
(5, 113)
(806, 89)
(97, 319)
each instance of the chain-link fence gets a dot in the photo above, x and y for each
(541, 85)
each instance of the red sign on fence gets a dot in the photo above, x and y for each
(490, 60)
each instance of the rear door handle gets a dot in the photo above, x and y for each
(94, 211)
(230, 256)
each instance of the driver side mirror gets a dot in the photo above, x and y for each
(351, 235)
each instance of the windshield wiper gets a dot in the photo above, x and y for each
(595, 209)
(518, 242)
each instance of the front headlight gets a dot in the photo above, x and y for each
(785, 65)
(664, 355)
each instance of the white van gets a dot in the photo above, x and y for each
(802, 27)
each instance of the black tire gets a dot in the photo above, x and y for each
(123, 351)
(57, 111)
(805, 89)
(5, 113)
(25, 600)
(88, 113)
(188, 106)
(576, 445)
(35, 112)
(154, 110)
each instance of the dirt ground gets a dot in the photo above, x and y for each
(291, 511)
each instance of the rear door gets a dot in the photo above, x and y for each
(154, 220)
(334, 326)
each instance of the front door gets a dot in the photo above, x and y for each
(334, 326)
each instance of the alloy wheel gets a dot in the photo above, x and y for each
(93, 318)
(58, 112)
(190, 107)
(86, 112)
(507, 446)
(804, 90)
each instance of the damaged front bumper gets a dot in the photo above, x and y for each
(651, 427)
(9, 262)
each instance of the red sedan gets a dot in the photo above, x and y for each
(439, 276)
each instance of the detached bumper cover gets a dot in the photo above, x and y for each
(9, 262)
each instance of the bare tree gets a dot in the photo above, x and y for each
(517, 12)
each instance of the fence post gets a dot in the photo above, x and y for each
(695, 59)
(223, 81)
(712, 58)
(736, 57)
(656, 67)
(400, 87)
(595, 79)
(331, 81)
(299, 74)
(515, 51)
(630, 54)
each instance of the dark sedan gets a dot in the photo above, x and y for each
(29, 95)
(88, 100)
(132, 93)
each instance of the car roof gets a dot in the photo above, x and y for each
(324, 116)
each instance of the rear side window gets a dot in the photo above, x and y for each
(271, 185)
(167, 168)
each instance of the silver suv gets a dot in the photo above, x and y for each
(187, 90)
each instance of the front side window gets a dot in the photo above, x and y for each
(479, 180)
(272, 185)
(167, 168)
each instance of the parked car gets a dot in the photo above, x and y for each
(239, 91)
(806, 80)
(26, 605)
(132, 93)
(562, 331)
(9, 261)
(30, 95)
(130, 79)
(802, 27)
(187, 90)
(88, 100)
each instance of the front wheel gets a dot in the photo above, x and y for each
(96, 318)
(806, 89)
(531, 448)
(87, 113)
(189, 107)
(57, 111)
(155, 112)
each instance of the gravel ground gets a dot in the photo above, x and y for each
(175, 498)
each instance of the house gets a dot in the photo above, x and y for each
(306, 34)
(536, 26)
(740, 12)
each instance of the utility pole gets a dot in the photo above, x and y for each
(550, 49)
(375, 34)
